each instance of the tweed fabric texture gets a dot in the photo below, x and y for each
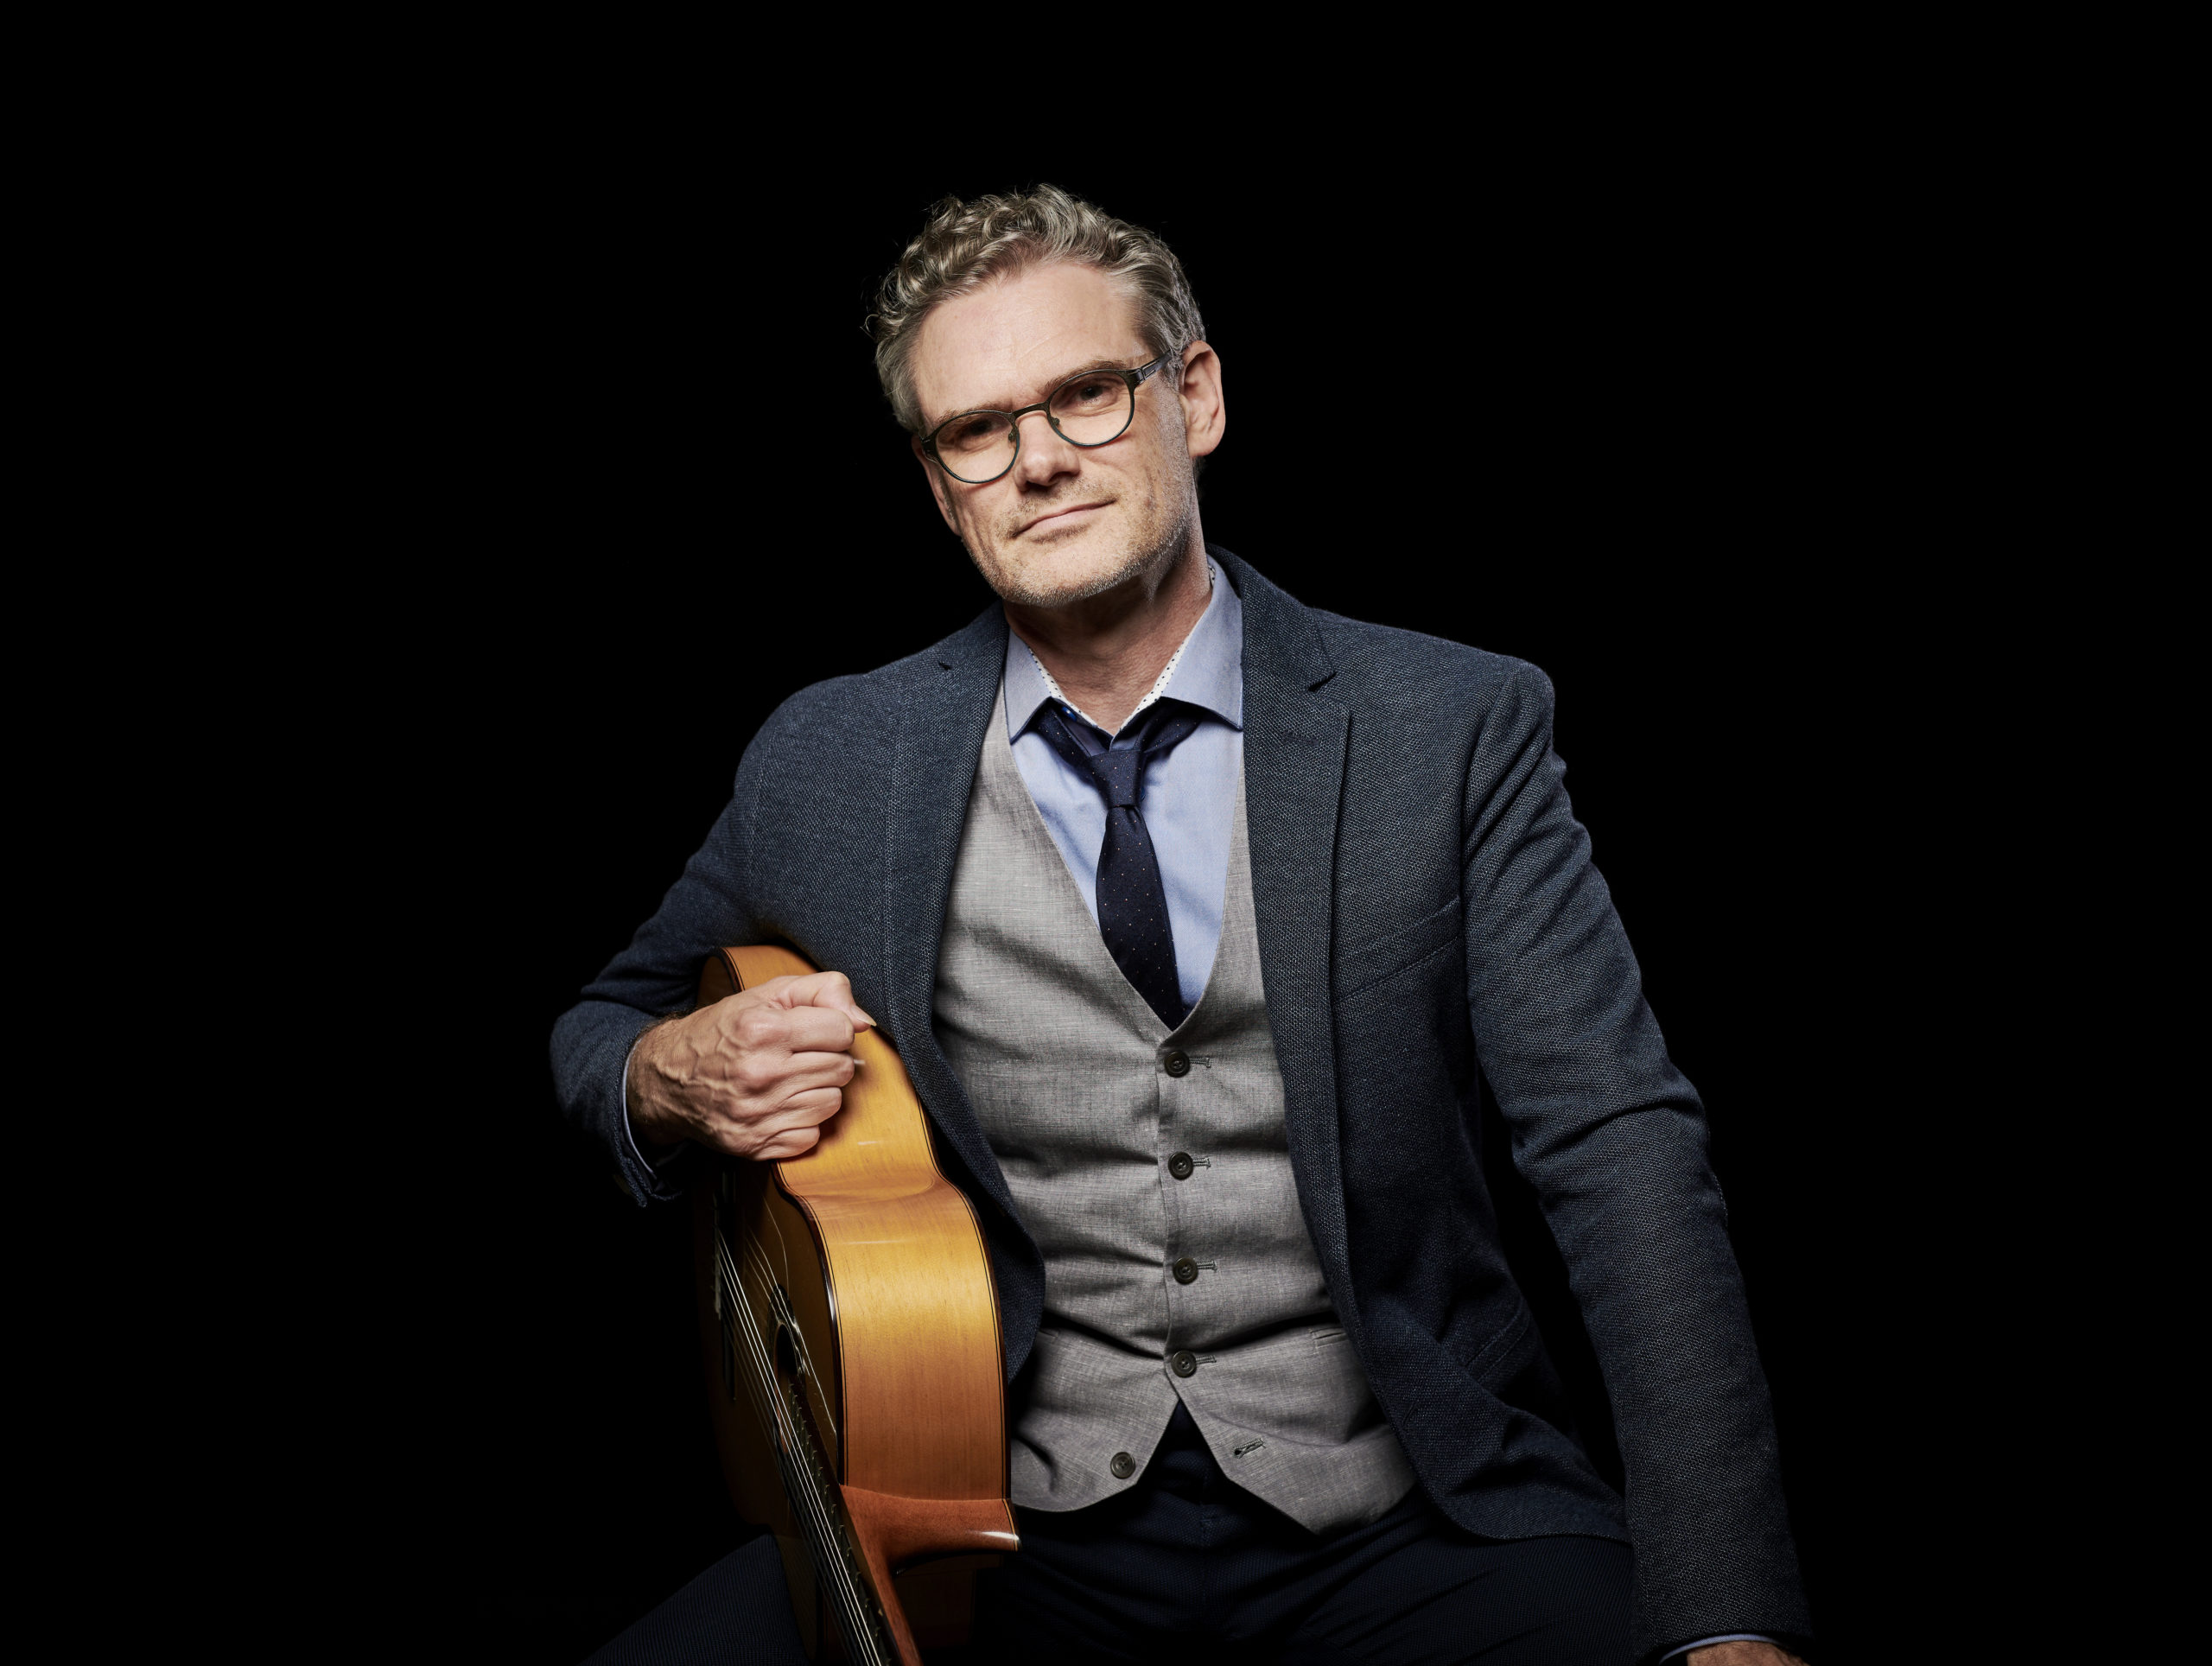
(1437, 946)
(1062, 1057)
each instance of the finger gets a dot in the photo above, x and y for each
(766, 1027)
(761, 1148)
(820, 1070)
(742, 1136)
(807, 1108)
(767, 1082)
(795, 1144)
(792, 1107)
(833, 990)
(814, 1029)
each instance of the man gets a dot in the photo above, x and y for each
(1201, 921)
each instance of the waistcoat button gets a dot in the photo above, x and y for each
(1177, 1062)
(1187, 1271)
(1184, 1362)
(1179, 1165)
(1123, 1466)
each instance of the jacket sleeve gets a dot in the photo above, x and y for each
(1612, 1138)
(706, 909)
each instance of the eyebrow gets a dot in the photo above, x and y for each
(930, 425)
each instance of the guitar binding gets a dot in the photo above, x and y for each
(816, 1503)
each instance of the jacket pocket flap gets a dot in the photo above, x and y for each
(1381, 958)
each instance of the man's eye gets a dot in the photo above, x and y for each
(971, 431)
(1091, 395)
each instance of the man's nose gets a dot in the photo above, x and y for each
(1045, 455)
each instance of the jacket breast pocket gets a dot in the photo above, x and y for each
(1379, 959)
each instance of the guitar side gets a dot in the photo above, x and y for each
(854, 1362)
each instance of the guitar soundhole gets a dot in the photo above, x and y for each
(786, 1353)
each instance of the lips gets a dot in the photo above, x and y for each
(1057, 515)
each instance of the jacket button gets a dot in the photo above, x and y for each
(1183, 1363)
(1123, 1466)
(1186, 1272)
(1177, 1063)
(1180, 1165)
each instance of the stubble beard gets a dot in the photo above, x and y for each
(1149, 548)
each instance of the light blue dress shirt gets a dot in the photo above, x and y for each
(1188, 796)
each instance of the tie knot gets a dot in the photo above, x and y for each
(1118, 770)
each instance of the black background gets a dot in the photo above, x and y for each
(1656, 421)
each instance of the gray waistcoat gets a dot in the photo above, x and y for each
(1068, 1069)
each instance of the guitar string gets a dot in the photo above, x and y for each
(823, 1532)
(728, 1291)
(757, 1259)
(825, 1536)
(860, 1630)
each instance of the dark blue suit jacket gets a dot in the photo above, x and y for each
(1429, 921)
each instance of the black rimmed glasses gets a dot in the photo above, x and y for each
(1094, 409)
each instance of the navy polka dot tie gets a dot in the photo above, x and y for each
(1132, 902)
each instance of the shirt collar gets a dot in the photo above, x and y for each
(1207, 671)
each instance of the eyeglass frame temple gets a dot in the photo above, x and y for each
(1136, 379)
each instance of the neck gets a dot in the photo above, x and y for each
(1106, 652)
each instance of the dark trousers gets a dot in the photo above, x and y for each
(1187, 1566)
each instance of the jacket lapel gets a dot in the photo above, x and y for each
(1295, 741)
(940, 736)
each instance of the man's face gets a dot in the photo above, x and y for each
(1065, 522)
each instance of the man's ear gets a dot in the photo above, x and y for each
(930, 472)
(1205, 415)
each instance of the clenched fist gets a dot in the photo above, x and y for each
(755, 1075)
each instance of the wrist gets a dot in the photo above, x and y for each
(654, 1123)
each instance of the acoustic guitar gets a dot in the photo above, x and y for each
(854, 1363)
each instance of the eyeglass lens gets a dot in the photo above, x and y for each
(979, 445)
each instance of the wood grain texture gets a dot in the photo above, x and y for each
(894, 1533)
(892, 1343)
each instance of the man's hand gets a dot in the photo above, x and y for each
(1742, 1654)
(755, 1075)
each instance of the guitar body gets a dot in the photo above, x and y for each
(854, 1363)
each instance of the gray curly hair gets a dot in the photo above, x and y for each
(966, 245)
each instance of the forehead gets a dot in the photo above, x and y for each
(1005, 345)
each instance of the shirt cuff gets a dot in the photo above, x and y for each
(1706, 1642)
